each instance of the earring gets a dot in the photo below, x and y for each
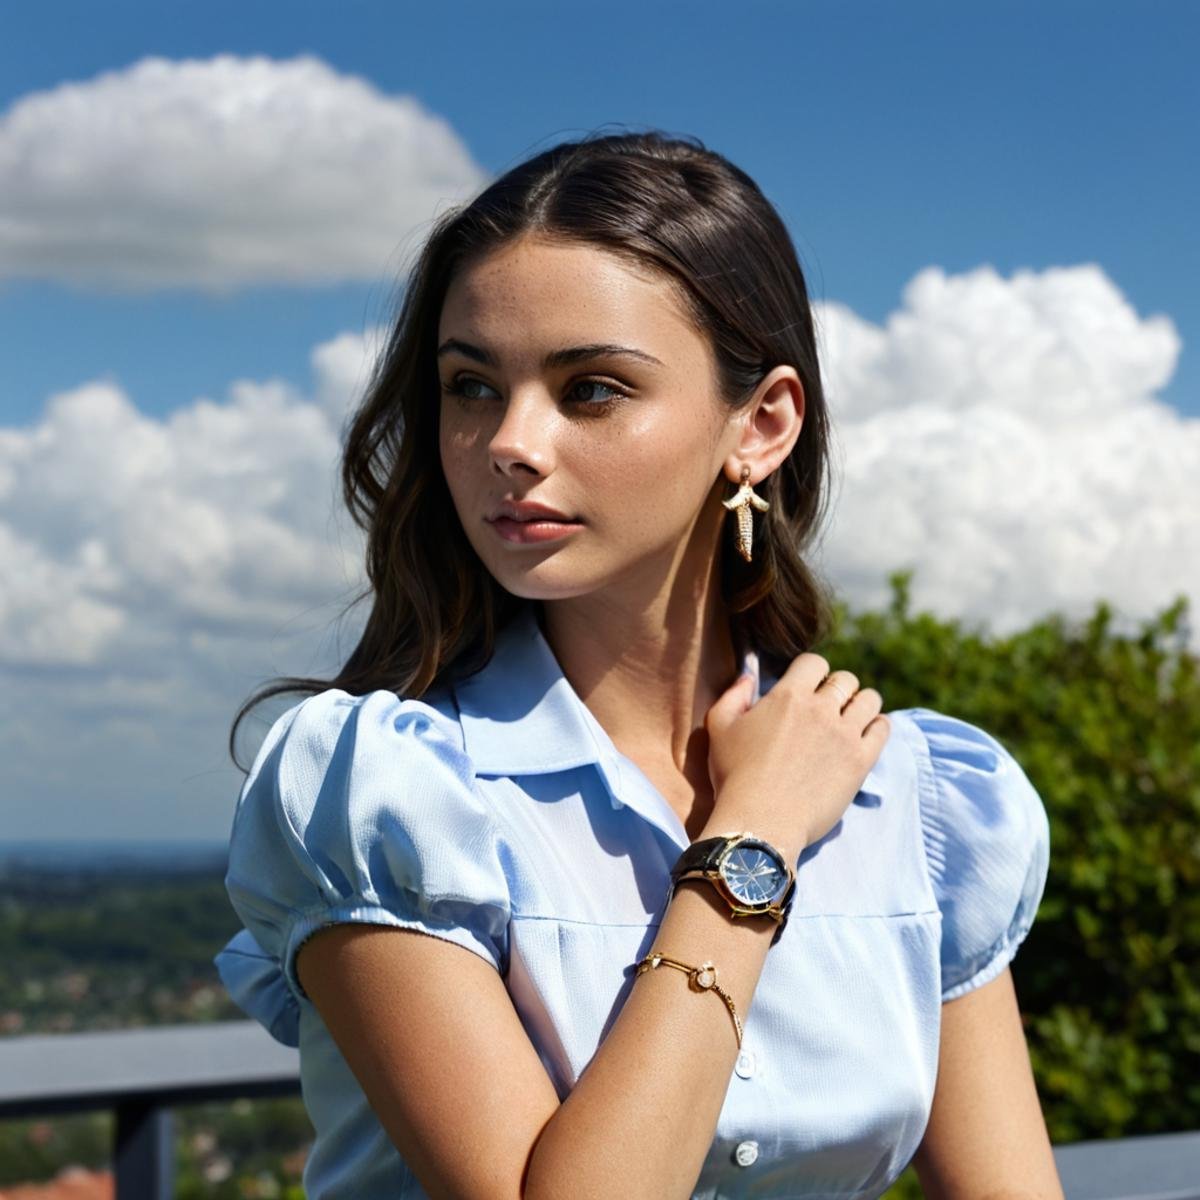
(740, 503)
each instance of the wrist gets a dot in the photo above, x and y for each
(752, 874)
(790, 843)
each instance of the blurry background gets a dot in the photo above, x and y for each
(205, 216)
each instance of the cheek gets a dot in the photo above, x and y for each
(456, 450)
(655, 472)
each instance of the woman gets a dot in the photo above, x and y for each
(725, 917)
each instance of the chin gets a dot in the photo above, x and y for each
(536, 589)
(543, 582)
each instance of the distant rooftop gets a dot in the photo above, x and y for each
(71, 1183)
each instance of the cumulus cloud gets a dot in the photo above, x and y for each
(341, 368)
(156, 571)
(131, 533)
(1002, 437)
(999, 435)
(220, 173)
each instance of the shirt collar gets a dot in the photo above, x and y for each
(521, 716)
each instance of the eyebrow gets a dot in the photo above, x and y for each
(556, 358)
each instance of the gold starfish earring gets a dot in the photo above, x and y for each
(740, 503)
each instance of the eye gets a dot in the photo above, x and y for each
(464, 386)
(461, 386)
(596, 383)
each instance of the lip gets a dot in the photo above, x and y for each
(525, 532)
(528, 510)
(527, 521)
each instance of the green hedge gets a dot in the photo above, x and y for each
(1107, 727)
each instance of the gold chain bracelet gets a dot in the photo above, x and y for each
(702, 979)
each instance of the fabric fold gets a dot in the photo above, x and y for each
(255, 982)
(987, 843)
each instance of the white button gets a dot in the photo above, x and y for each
(746, 1064)
(746, 1153)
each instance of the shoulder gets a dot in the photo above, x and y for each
(354, 777)
(986, 836)
(325, 715)
(336, 732)
(339, 767)
(968, 778)
(362, 808)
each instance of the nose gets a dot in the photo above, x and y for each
(522, 443)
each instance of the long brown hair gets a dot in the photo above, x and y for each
(664, 202)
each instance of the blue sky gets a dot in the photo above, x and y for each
(890, 136)
(202, 211)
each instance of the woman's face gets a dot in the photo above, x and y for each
(626, 445)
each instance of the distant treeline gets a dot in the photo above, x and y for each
(97, 949)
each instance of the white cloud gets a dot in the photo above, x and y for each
(1001, 436)
(1058, 344)
(46, 615)
(220, 173)
(341, 368)
(131, 533)
(998, 435)
(156, 572)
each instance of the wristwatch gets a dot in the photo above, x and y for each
(750, 874)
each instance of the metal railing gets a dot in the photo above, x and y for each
(142, 1074)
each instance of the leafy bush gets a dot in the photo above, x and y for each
(1107, 728)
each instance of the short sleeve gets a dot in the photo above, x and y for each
(358, 809)
(987, 843)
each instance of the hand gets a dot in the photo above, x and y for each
(788, 766)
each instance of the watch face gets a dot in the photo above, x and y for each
(754, 873)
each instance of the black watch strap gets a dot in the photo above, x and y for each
(703, 856)
(699, 856)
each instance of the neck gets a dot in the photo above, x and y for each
(649, 671)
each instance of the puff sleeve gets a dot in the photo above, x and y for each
(357, 809)
(987, 843)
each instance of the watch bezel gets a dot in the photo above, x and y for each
(741, 841)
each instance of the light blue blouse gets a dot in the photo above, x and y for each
(498, 814)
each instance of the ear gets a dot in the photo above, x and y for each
(768, 426)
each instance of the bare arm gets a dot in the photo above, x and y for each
(642, 1116)
(986, 1136)
(432, 1036)
(462, 1094)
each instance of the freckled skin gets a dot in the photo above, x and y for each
(634, 612)
(641, 475)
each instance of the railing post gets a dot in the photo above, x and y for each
(145, 1151)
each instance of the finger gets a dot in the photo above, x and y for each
(878, 731)
(842, 684)
(805, 671)
(731, 703)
